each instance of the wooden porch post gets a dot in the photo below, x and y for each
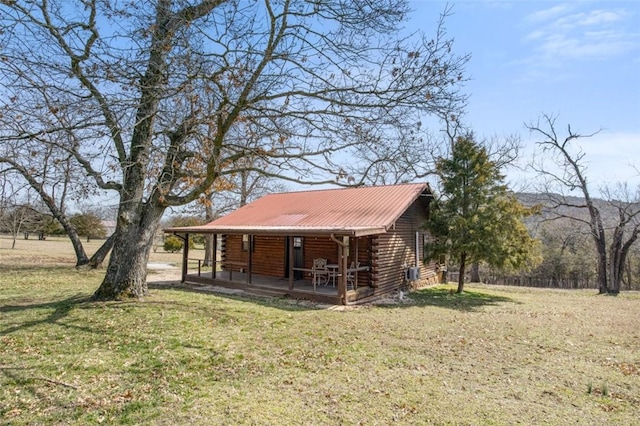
(343, 274)
(290, 238)
(185, 257)
(342, 270)
(250, 259)
(214, 263)
(356, 263)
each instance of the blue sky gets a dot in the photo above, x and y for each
(579, 60)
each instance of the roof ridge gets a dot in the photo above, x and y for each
(339, 188)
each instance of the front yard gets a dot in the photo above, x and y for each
(494, 355)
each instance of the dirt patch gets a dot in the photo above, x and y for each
(161, 265)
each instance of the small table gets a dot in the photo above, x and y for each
(333, 272)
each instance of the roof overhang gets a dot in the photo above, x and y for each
(278, 230)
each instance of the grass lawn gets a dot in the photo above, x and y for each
(495, 355)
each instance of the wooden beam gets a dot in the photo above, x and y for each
(185, 257)
(250, 259)
(290, 239)
(342, 270)
(357, 263)
(214, 263)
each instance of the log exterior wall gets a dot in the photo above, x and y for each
(319, 247)
(394, 252)
(269, 255)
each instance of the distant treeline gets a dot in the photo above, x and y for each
(567, 256)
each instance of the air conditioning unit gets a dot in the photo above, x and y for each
(413, 273)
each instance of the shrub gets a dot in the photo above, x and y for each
(172, 244)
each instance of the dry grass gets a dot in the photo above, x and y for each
(494, 355)
(59, 249)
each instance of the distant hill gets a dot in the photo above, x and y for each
(573, 209)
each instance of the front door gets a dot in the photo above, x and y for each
(298, 258)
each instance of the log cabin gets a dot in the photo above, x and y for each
(337, 246)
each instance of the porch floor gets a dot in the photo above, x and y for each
(261, 284)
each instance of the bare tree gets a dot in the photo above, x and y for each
(242, 187)
(148, 97)
(17, 219)
(51, 173)
(7, 195)
(564, 172)
(18, 214)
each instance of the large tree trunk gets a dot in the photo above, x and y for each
(81, 255)
(616, 260)
(602, 276)
(126, 275)
(208, 250)
(138, 220)
(618, 256)
(208, 238)
(101, 254)
(601, 252)
(463, 259)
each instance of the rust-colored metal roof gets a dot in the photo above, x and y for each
(356, 211)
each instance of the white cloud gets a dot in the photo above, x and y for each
(587, 35)
(588, 46)
(587, 19)
(599, 17)
(536, 35)
(610, 158)
(546, 14)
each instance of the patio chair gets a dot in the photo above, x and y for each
(351, 275)
(319, 272)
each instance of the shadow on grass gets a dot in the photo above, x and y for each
(25, 268)
(445, 297)
(60, 310)
(436, 296)
(284, 303)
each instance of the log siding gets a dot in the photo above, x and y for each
(395, 251)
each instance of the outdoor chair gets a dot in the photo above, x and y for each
(351, 275)
(319, 272)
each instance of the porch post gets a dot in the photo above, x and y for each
(343, 274)
(250, 259)
(214, 264)
(185, 257)
(356, 262)
(290, 238)
(342, 270)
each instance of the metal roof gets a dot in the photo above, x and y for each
(355, 211)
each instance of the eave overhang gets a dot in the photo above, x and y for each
(278, 230)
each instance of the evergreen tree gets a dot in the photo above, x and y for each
(476, 218)
(88, 225)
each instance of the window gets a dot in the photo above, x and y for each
(426, 241)
(245, 243)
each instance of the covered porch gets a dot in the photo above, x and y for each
(287, 265)
(270, 286)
